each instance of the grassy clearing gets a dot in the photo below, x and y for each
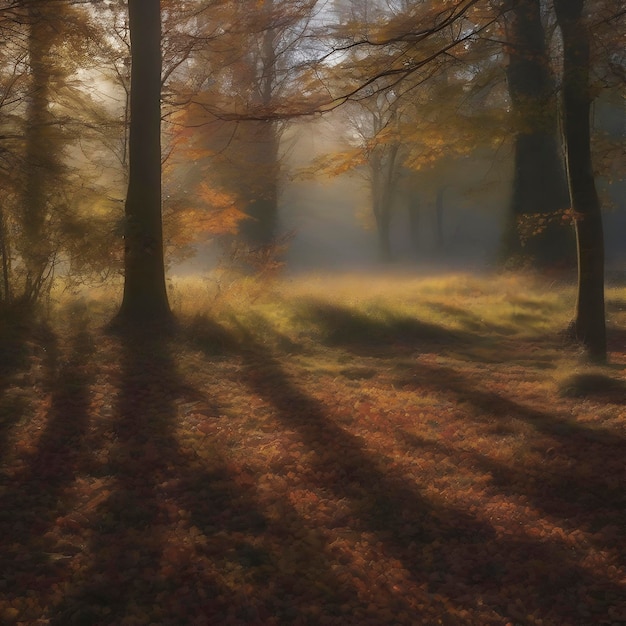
(324, 450)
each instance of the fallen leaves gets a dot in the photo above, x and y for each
(268, 486)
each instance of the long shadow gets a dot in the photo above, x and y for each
(18, 336)
(292, 579)
(382, 333)
(569, 500)
(383, 503)
(470, 562)
(35, 495)
(128, 526)
(470, 321)
(581, 492)
(141, 557)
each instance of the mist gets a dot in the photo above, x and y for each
(312, 313)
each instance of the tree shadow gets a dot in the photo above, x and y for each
(548, 565)
(380, 333)
(576, 480)
(128, 527)
(173, 521)
(383, 334)
(293, 579)
(412, 526)
(470, 321)
(385, 504)
(35, 498)
(176, 520)
(22, 341)
(596, 386)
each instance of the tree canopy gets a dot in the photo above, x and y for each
(422, 96)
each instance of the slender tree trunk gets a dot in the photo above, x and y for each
(383, 223)
(381, 205)
(383, 176)
(5, 253)
(414, 222)
(539, 184)
(145, 293)
(40, 148)
(589, 326)
(439, 210)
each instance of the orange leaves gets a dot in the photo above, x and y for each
(336, 487)
(219, 213)
(210, 212)
(533, 224)
(334, 164)
(9, 614)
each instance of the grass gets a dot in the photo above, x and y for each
(322, 450)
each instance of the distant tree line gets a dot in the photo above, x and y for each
(100, 101)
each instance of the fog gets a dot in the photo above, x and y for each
(328, 224)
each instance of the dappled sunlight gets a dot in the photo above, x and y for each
(325, 454)
(311, 313)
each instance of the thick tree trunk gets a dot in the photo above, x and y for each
(589, 325)
(145, 294)
(539, 185)
(262, 183)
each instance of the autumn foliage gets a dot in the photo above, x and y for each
(427, 453)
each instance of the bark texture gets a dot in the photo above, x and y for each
(589, 325)
(145, 294)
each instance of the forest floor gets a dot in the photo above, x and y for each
(354, 451)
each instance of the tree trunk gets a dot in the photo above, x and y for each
(414, 222)
(589, 325)
(262, 183)
(5, 254)
(439, 211)
(145, 294)
(382, 228)
(41, 164)
(539, 185)
(260, 231)
(381, 204)
(383, 177)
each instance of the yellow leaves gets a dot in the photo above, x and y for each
(334, 164)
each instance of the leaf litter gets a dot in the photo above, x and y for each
(160, 482)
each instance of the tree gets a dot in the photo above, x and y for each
(245, 84)
(589, 325)
(540, 195)
(145, 294)
(40, 109)
(13, 86)
(42, 163)
(375, 150)
(417, 112)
